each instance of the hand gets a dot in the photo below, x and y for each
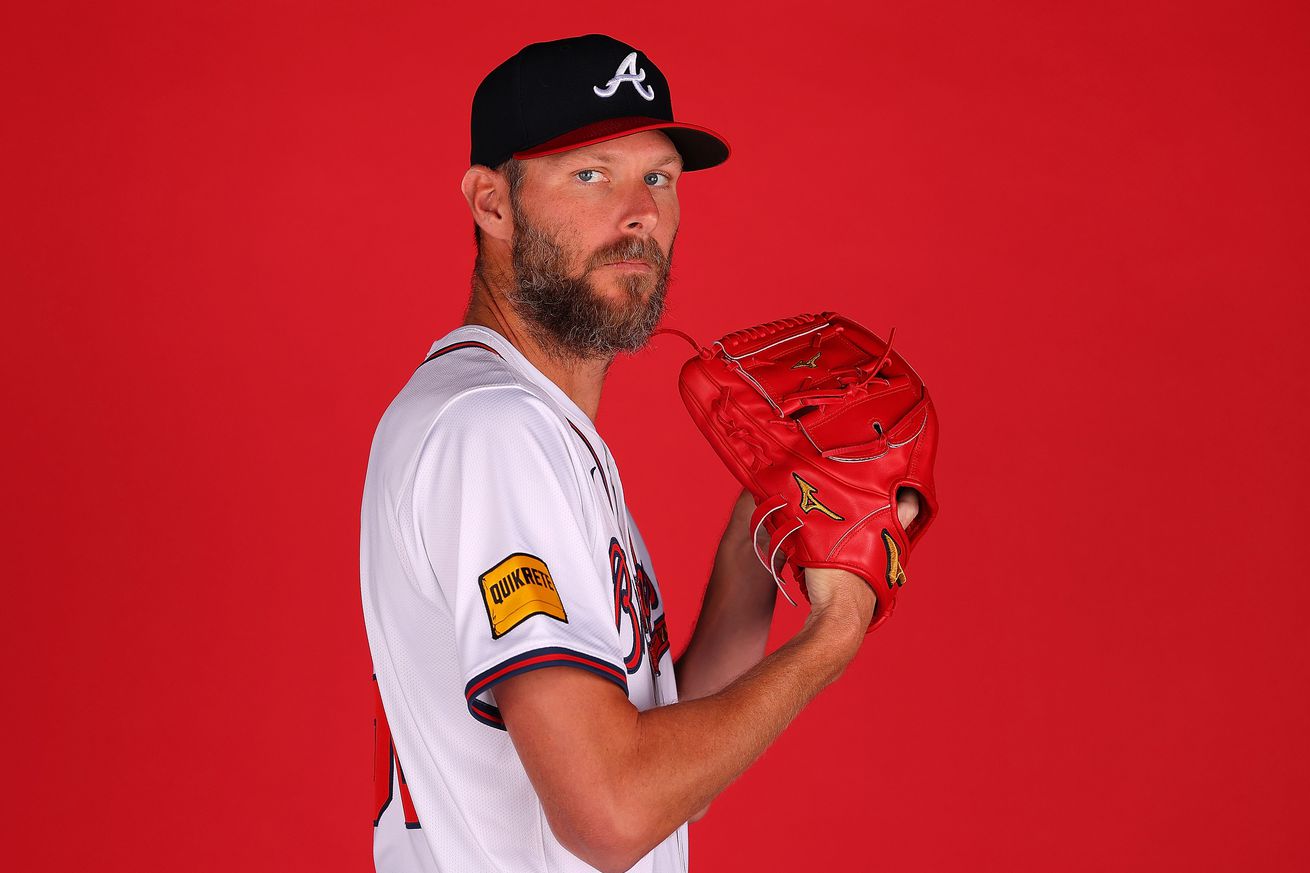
(847, 591)
(907, 506)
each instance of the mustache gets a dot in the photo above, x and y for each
(630, 249)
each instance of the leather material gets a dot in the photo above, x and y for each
(822, 421)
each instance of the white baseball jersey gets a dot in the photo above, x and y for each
(495, 540)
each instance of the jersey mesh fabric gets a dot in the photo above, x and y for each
(480, 458)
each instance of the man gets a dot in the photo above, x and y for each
(532, 717)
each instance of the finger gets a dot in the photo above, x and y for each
(907, 506)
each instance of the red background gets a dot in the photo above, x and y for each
(232, 230)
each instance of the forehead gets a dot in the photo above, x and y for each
(647, 146)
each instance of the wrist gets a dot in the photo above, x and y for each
(836, 631)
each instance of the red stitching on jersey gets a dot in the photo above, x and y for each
(453, 347)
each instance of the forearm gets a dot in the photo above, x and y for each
(732, 628)
(684, 755)
(615, 781)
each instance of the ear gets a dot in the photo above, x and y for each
(487, 193)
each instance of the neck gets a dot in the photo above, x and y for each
(580, 378)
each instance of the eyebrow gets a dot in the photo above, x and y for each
(611, 157)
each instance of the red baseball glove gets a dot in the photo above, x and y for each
(823, 423)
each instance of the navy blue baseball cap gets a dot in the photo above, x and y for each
(568, 93)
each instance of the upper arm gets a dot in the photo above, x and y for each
(505, 520)
(502, 521)
(573, 731)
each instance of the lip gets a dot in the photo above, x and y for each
(630, 265)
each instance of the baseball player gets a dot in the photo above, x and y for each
(530, 714)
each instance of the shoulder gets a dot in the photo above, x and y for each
(503, 414)
(457, 366)
(507, 459)
(506, 430)
(465, 384)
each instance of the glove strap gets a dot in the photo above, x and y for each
(700, 350)
(762, 512)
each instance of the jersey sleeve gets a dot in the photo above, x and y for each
(502, 509)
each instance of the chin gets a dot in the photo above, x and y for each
(625, 289)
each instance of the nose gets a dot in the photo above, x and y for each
(640, 213)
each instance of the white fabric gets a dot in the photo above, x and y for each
(478, 458)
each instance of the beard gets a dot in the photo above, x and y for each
(567, 315)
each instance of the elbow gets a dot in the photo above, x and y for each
(607, 861)
(610, 840)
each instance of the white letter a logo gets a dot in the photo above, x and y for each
(627, 72)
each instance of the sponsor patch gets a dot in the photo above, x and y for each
(516, 589)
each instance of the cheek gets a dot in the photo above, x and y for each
(668, 226)
(586, 228)
(573, 240)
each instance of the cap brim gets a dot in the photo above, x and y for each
(700, 147)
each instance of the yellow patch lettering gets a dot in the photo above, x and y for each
(517, 588)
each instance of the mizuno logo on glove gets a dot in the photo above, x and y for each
(895, 572)
(811, 363)
(809, 502)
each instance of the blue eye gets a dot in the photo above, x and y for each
(657, 179)
(586, 175)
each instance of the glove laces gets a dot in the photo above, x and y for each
(699, 349)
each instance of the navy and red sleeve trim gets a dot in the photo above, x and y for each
(535, 659)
